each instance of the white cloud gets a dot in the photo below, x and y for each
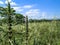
(44, 14)
(37, 14)
(11, 2)
(27, 6)
(22, 8)
(1, 2)
(32, 12)
(8, 0)
(18, 9)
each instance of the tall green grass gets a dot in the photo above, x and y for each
(40, 33)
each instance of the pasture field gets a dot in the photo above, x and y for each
(39, 33)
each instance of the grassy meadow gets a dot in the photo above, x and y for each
(39, 33)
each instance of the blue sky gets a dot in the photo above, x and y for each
(36, 9)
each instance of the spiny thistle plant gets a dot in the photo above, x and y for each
(10, 26)
(9, 23)
(9, 32)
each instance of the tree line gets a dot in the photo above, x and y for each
(43, 20)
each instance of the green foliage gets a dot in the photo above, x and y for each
(19, 18)
(16, 18)
(40, 33)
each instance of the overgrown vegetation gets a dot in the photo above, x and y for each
(40, 32)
